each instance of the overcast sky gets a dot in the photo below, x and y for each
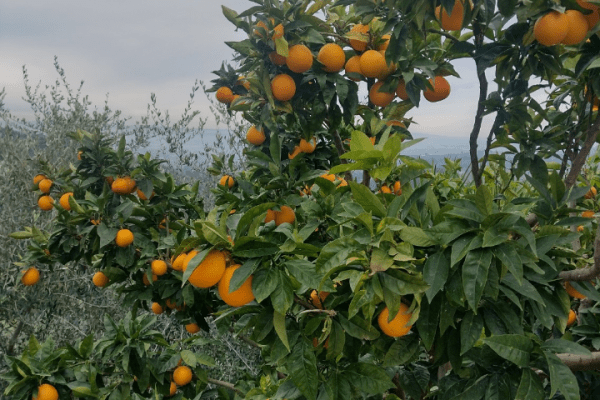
(132, 48)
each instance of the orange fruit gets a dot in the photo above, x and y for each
(384, 45)
(145, 280)
(591, 193)
(308, 146)
(353, 66)
(317, 300)
(588, 214)
(397, 188)
(578, 27)
(278, 32)
(286, 214)
(172, 389)
(580, 228)
(270, 216)
(38, 178)
(100, 279)
(299, 59)
(45, 185)
(79, 153)
(209, 271)
(329, 177)
(277, 58)
(379, 98)
(226, 180)
(45, 203)
(47, 392)
(31, 276)
(385, 189)
(157, 308)
(260, 24)
(124, 238)
(592, 18)
(572, 318)
(360, 45)
(123, 186)
(172, 305)
(452, 21)
(192, 328)
(401, 90)
(283, 87)
(159, 267)
(573, 292)
(177, 265)
(64, 201)
(388, 70)
(372, 63)
(254, 136)
(441, 89)
(332, 57)
(224, 95)
(242, 296)
(182, 375)
(398, 326)
(294, 153)
(109, 180)
(551, 28)
(142, 196)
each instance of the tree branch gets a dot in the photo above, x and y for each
(483, 88)
(578, 163)
(226, 385)
(445, 34)
(585, 274)
(489, 144)
(577, 362)
(337, 140)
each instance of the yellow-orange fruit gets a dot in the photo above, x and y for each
(182, 375)
(142, 196)
(172, 389)
(551, 28)
(242, 296)
(360, 45)
(209, 271)
(578, 27)
(441, 89)
(100, 279)
(278, 31)
(385, 189)
(580, 228)
(224, 95)
(45, 185)
(372, 63)
(397, 188)
(588, 214)
(318, 299)
(294, 153)
(283, 87)
(286, 214)
(192, 328)
(64, 201)
(398, 326)
(124, 238)
(593, 18)
(452, 21)
(47, 392)
(308, 146)
(226, 180)
(332, 57)
(591, 193)
(270, 216)
(379, 98)
(159, 267)
(177, 264)
(299, 58)
(79, 153)
(572, 318)
(145, 280)
(329, 177)
(353, 66)
(255, 137)
(277, 58)
(384, 45)
(123, 186)
(157, 308)
(31, 276)
(38, 178)
(573, 292)
(242, 81)
(45, 203)
(261, 24)
(388, 70)
(401, 90)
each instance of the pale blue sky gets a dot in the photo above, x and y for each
(132, 48)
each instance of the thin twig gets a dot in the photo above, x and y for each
(579, 162)
(304, 303)
(446, 34)
(226, 385)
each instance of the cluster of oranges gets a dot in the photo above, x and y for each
(395, 188)
(569, 28)
(285, 214)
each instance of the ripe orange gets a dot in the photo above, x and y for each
(157, 308)
(389, 69)
(45, 185)
(45, 203)
(145, 280)
(453, 21)
(294, 153)
(573, 292)
(172, 389)
(372, 63)
(242, 81)
(261, 24)
(100, 279)
(401, 90)
(47, 392)
(588, 214)
(353, 66)
(283, 87)
(329, 177)
(239, 297)
(385, 189)
(278, 32)
(226, 180)
(360, 45)
(572, 318)
(551, 28)
(580, 228)
(397, 188)
(286, 214)
(383, 46)
(172, 305)
(38, 178)
(277, 58)
(209, 271)
(182, 375)
(142, 196)
(591, 193)
(123, 186)
(270, 216)
(64, 201)
(224, 95)
(308, 146)
(398, 326)
(177, 265)
(255, 137)
(124, 238)
(192, 328)
(379, 98)
(578, 27)
(441, 89)
(31, 276)
(159, 267)
(592, 18)
(332, 57)
(317, 300)
(299, 59)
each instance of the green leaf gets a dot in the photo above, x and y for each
(427, 323)
(565, 346)
(368, 378)
(254, 247)
(212, 233)
(282, 297)
(358, 327)
(106, 234)
(435, 273)
(279, 324)
(514, 348)
(242, 273)
(402, 351)
(305, 272)
(193, 264)
(249, 216)
(508, 255)
(416, 237)
(264, 283)
(86, 346)
(360, 141)
(189, 358)
(470, 331)
(21, 235)
(363, 196)
(302, 368)
(484, 200)
(531, 387)
(475, 271)
(561, 378)
(275, 145)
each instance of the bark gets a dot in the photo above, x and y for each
(483, 89)
(585, 274)
(226, 385)
(578, 163)
(577, 362)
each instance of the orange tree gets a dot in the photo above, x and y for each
(359, 272)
